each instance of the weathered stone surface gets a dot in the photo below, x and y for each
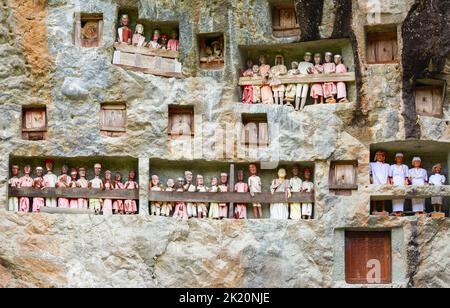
(40, 66)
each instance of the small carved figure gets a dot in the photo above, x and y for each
(50, 181)
(154, 43)
(214, 212)
(255, 186)
(247, 96)
(418, 177)
(174, 43)
(341, 86)
(296, 187)
(96, 183)
(180, 207)
(223, 188)
(14, 181)
(398, 176)
(164, 41)
(90, 31)
(73, 203)
(107, 207)
(190, 187)
(329, 88)
(217, 50)
(118, 205)
(317, 89)
(280, 185)
(240, 211)
(63, 182)
(131, 205)
(25, 182)
(266, 90)
(291, 89)
(256, 89)
(82, 183)
(379, 175)
(168, 206)
(124, 33)
(202, 210)
(38, 183)
(307, 187)
(278, 88)
(155, 205)
(303, 88)
(139, 37)
(437, 179)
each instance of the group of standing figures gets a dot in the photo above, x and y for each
(213, 210)
(76, 179)
(274, 91)
(399, 174)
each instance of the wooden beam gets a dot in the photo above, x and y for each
(230, 197)
(383, 193)
(152, 71)
(147, 51)
(258, 81)
(343, 187)
(49, 210)
(74, 193)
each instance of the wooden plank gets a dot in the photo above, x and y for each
(230, 197)
(75, 193)
(147, 51)
(153, 72)
(385, 192)
(49, 210)
(344, 77)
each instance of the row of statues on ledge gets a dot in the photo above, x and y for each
(399, 174)
(275, 92)
(138, 39)
(76, 179)
(187, 210)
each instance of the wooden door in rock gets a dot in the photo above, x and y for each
(34, 124)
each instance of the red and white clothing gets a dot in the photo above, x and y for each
(107, 207)
(247, 96)
(202, 210)
(50, 181)
(63, 182)
(82, 183)
(223, 207)
(24, 202)
(180, 209)
(173, 45)
(131, 205)
(124, 35)
(240, 211)
(329, 88)
(38, 202)
(399, 175)
(118, 205)
(317, 89)
(379, 172)
(341, 86)
(73, 203)
(13, 202)
(418, 177)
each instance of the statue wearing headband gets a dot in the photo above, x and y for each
(437, 179)
(418, 177)
(398, 176)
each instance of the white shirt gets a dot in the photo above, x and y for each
(296, 184)
(380, 173)
(304, 67)
(437, 179)
(308, 186)
(418, 176)
(399, 174)
(254, 183)
(50, 180)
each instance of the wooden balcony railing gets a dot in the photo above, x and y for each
(259, 81)
(74, 193)
(383, 193)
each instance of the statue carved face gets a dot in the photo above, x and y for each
(170, 183)
(317, 59)
(380, 157)
(328, 57)
(118, 177)
(64, 169)
(188, 176)
(39, 172)
(417, 163)
(307, 174)
(282, 173)
(296, 170)
(214, 182)
(74, 175)
(155, 180)
(399, 160)
(240, 176)
(200, 181)
(132, 175)
(224, 178)
(108, 175)
(125, 20)
(252, 168)
(82, 172)
(27, 169)
(307, 57)
(49, 166)
(15, 170)
(97, 169)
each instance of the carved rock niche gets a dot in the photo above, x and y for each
(88, 30)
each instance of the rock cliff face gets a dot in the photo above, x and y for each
(39, 65)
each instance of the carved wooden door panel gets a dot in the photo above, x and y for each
(34, 124)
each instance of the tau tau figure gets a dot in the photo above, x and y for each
(247, 96)
(256, 89)
(25, 182)
(50, 181)
(296, 187)
(164, 41)
(154, 43)
(291, 89)
(131, 184)
(139, 37)
(398, 176)
(118, 205)
(124, 33)
(329, 88)
(341, 86)
(155, 205)
(303, 88)
(437, 179)
(73, 203)
(190, 187)
(278, 88)
(14, 181)
(174, 43)
(255, 186)
(240, 211)
(223, 188)
(202, 210)
(107, 207)
(280, 185)
(168, 206)
(82, 183)
(96, 183)
(214, 206)
(266, 90)
(38, 183)
(307, 187)
(317, 89)
(418, 177)
(379, 174)
(64, 182)
(180, 207)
